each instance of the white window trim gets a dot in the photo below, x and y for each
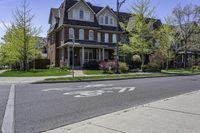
(106, 38)
(81, 34)
(71, 33)
(80, 14)
(91, 38)
(114, 38)
(98, 37)
(104, 20)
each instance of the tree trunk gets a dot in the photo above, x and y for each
(185, 59)
(167, 64)
(143, 60)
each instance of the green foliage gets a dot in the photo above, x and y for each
(195, 68)
(151, 67)
(136, 58)
(19, 42)
(65, 68)
(141, 30)
(123, 67)
(165, 36)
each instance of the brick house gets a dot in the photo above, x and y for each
(94, 29)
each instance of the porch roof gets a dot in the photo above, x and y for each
(88, 45)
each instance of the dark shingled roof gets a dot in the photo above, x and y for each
(123, 17)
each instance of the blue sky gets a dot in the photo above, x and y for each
(41, 8)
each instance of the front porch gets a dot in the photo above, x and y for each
(83, 54)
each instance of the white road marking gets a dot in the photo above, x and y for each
(79, 94)
(122, 90)
(97, 85)
(53, 89)
(93, 93)
(8, 121)
(132, 89)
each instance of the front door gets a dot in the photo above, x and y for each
(77, 61)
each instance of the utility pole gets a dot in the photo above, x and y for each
(119, 4)
(73, 75)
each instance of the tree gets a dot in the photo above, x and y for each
(186, 19)
(140, 28)
(165, 36)
(21, 37)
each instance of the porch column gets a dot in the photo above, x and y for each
(103, 52)
(68, 56)
(99, 54)
(63, 55)
(83, 57)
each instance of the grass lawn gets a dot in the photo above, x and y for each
(93, 72)
(180, 71)
(113, 76)
(35, 73)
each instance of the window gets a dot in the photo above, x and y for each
(81, 14)
(88, 55)
(111, 21)
(81, 34)
(114, 38)
(71, 33)
(91, 35)
(106, 19)
(99, 37)
(106, 37)
(87, 15)
(101, 20)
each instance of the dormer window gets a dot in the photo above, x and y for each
(101, 19)
(106, 19)
(81, 14)
(111, 21)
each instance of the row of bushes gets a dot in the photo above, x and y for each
(106, 66)
(111, 66)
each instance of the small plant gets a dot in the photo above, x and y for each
(107, 66)
(91, 65)
(123, 67)
(195, 69)
(137, 58)
(65, 68)
(151, 67)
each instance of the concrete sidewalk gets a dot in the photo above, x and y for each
(180, 114)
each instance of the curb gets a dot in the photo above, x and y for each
(109, 79)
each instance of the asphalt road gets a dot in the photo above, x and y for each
(40, 107)
(4, 92)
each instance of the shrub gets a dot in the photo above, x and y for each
(195, 68)
(137, 62)
(151, 67)
(91, 65)
(107, 66)
(110, 67)
(137, 58)
(65, 68)
(123, 67)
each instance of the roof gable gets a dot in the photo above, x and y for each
(81, 1)
(54, 12)
(107, 8)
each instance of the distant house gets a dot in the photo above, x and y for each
(95, 30)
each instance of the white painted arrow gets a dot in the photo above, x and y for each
(97, 85)
(127, 89)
